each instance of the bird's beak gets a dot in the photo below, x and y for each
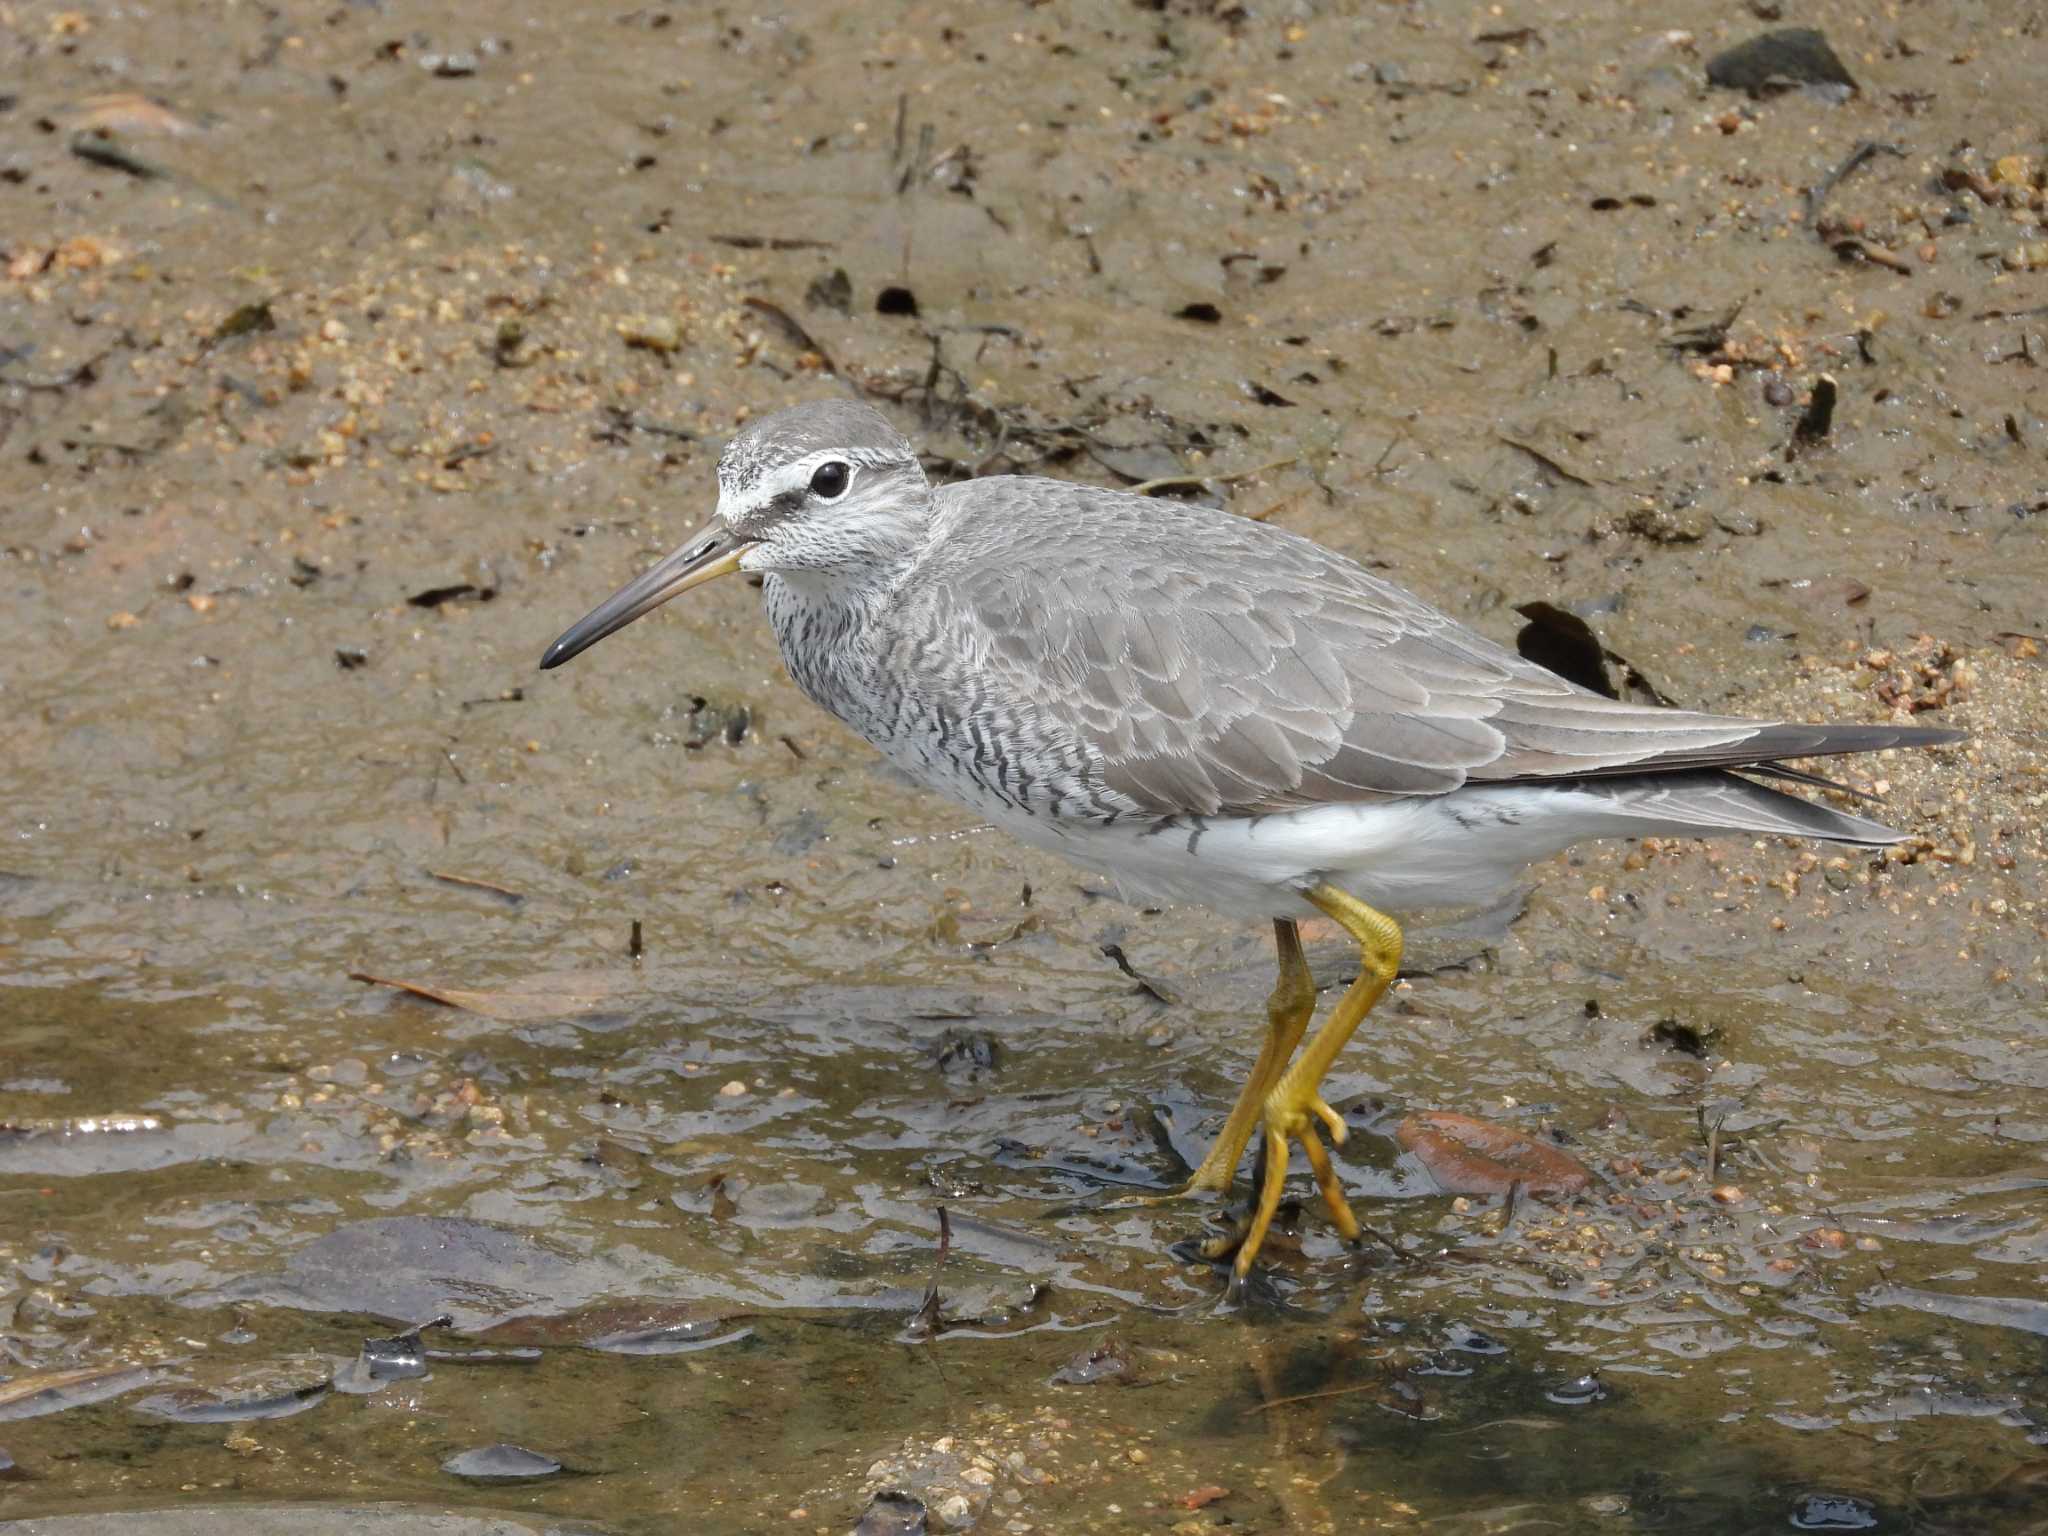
(712, 552)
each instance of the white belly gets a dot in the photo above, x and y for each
(1462, 849)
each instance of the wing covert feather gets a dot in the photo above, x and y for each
(1199, 663)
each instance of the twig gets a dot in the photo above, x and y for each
(1545, 460)
(1312, 1397)
(1279, 506)
(793, 331)
(1712, 1136)
(1853, 249)
(472, 883)
(925, 1322)
(1170, 482)
(1868, 150)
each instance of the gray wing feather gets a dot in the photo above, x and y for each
(1200, 663)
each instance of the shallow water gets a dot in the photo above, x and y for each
(364, 343)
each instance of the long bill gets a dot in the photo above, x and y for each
(711, 553)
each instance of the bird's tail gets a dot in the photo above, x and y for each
(1701, 803)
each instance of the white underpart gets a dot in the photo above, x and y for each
(1462, 849)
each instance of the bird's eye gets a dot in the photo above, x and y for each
(830, 480)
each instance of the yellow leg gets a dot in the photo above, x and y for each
(1295, 1102)
(1288, 1010)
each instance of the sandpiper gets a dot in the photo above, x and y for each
(1207, 709)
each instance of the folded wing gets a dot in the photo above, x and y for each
(1270, 674)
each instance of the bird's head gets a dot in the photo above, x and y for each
(813, 490)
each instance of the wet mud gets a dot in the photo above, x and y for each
(429, 1088)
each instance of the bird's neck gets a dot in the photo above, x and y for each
(824, 625)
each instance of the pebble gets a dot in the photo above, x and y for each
(2014, 170)
(733, 1090)
(655, 333)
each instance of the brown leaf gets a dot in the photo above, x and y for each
(536, 997)
(128, 113)
(1473, 1157)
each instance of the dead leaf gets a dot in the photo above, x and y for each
(1559, 641)
(1475, 1157)
(19, 1393)
(536, 997)
(127, 112)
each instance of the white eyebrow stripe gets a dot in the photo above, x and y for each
(796, 474)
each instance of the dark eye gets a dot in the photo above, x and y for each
(830, 480)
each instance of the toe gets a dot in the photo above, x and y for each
(1332, 1120)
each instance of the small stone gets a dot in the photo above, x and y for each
(1729, 1194)
(2014, 170)
(656, 333)
(122, 620)
(733, 1090)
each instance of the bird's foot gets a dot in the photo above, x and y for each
(1291, 1114)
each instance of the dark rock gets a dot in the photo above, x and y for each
(1779, 61)
(968, 1051)
(890, 1513)
(1106, 1361)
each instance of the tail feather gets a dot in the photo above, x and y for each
(1776, 742)
(1694, 803)
(1760, 747)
